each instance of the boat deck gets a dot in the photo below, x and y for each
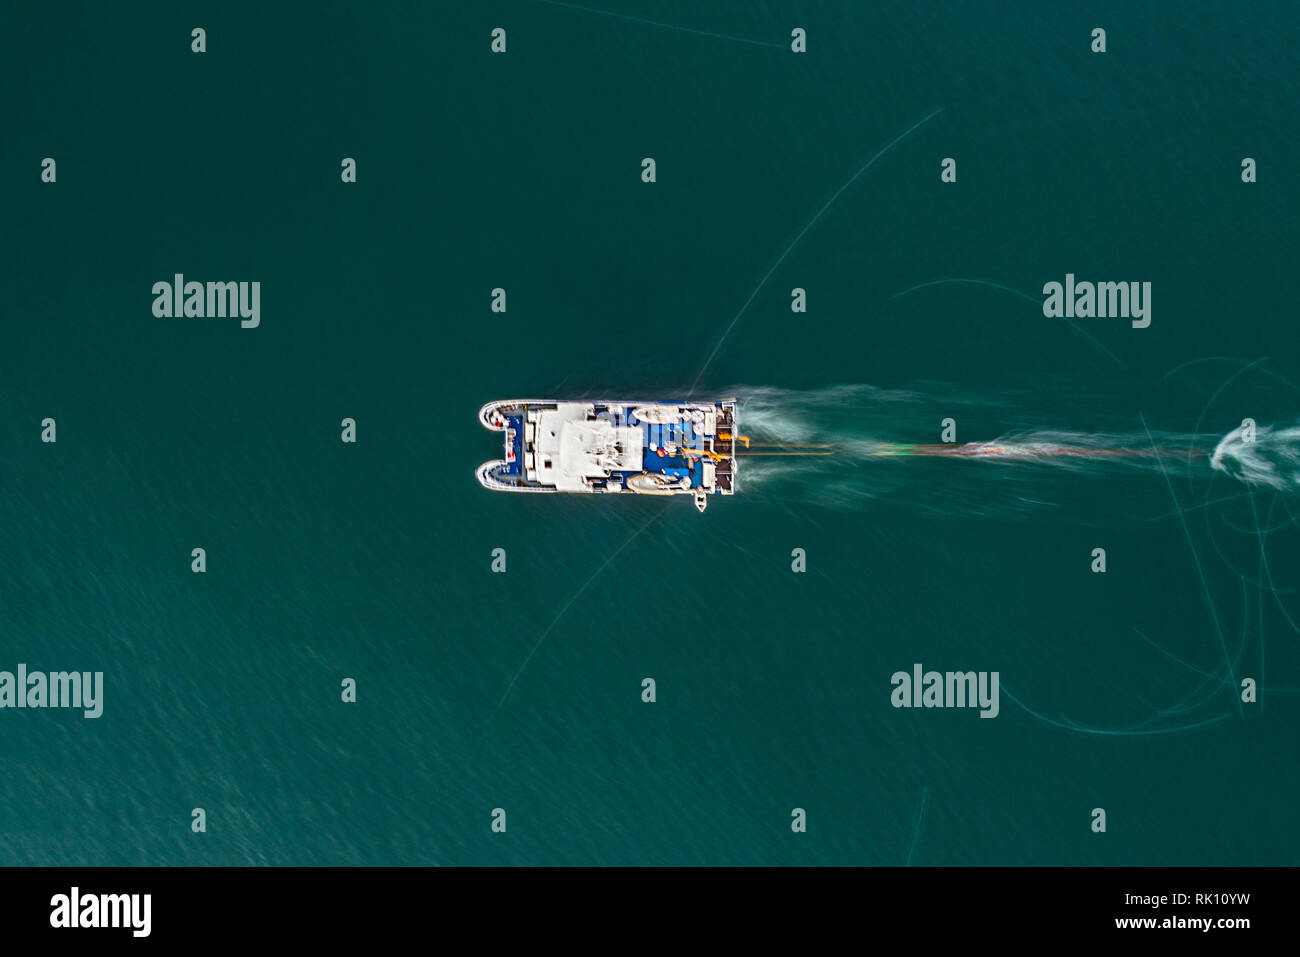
(588, 446)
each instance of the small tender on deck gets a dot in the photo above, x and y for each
(656, 447)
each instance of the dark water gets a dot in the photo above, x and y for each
(774, 170)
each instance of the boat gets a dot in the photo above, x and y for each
(614, 447)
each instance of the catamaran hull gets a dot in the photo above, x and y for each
(603, 447)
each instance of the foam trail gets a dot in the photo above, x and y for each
(872, 432)
(1271, 460)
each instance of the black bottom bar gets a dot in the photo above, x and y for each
(337, 906)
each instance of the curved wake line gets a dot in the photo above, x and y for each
(666, 26)
(957, 280)
(810, 224)
(1116, 732)
(1216, 678)
(577, 594)
(916, 832)
(1200, 570)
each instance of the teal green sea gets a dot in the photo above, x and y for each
(775, 170)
